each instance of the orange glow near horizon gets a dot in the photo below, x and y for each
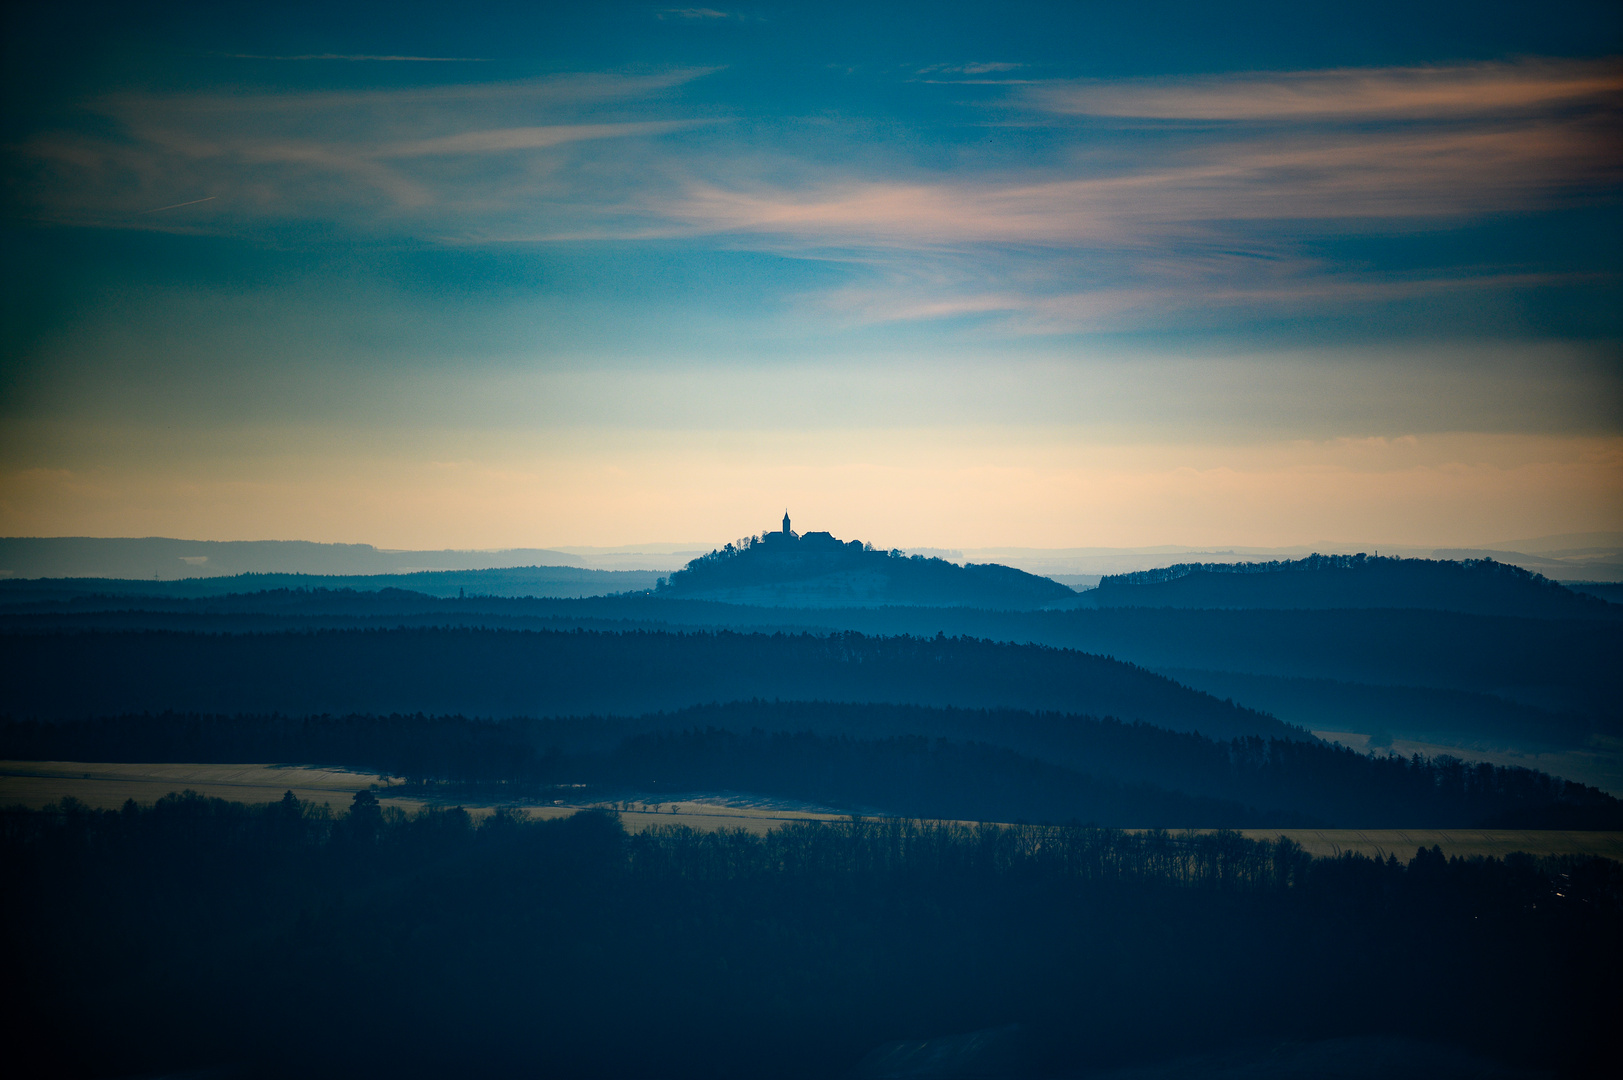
(935, 488)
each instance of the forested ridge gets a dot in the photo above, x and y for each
(1475, 586)
(1557, 671)
(996, 765)
(420, 946)
(508, 673)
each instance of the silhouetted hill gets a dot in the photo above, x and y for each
(784, 569)
(505, 673)
(166, 558)
(1475, 586)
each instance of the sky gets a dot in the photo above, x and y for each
(954, 275)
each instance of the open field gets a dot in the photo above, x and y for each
(1463, 842)
(107, 785)
(708, 815)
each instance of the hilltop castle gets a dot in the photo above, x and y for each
(787, 535)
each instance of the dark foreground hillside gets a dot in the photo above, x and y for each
(505, 673)
(264, 941)
(959, 764)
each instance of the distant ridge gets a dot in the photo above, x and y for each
(167, 559)
(1473, 586)
(787, 569)
(507, 581)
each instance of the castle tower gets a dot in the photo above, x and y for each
(786, 523)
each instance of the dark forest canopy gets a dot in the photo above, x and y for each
(963, 764)
(506, 673)
(280, 939)
(1476, 586)
(818, 570)
(1562, 659)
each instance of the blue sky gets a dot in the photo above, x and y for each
(954, 275)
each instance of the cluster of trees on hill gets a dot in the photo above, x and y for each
(997, 765)
(504, 673)
(425, 946)
(1480, 586)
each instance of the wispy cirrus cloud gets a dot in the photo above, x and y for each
(694, 13)
(1160, 291)
(528, 138)
(1394, 175)
(1148, 231)
(1345, 93)
(972, 68)
(335, 156)
(606, 156)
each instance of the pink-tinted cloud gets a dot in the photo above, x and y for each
(526, 138)
(1348, 93)
(1396, 175)
(1158, 289)
(691, 14)
(315, 156)
(981, 68)
(1093, 237)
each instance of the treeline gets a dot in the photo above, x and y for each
(273, 939)
(1269, 783)
(996, 765)
(506, 673)
(913, 776)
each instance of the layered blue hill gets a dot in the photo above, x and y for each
(508, 581)
(163, 558)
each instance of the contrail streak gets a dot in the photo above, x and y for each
(178, 205)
